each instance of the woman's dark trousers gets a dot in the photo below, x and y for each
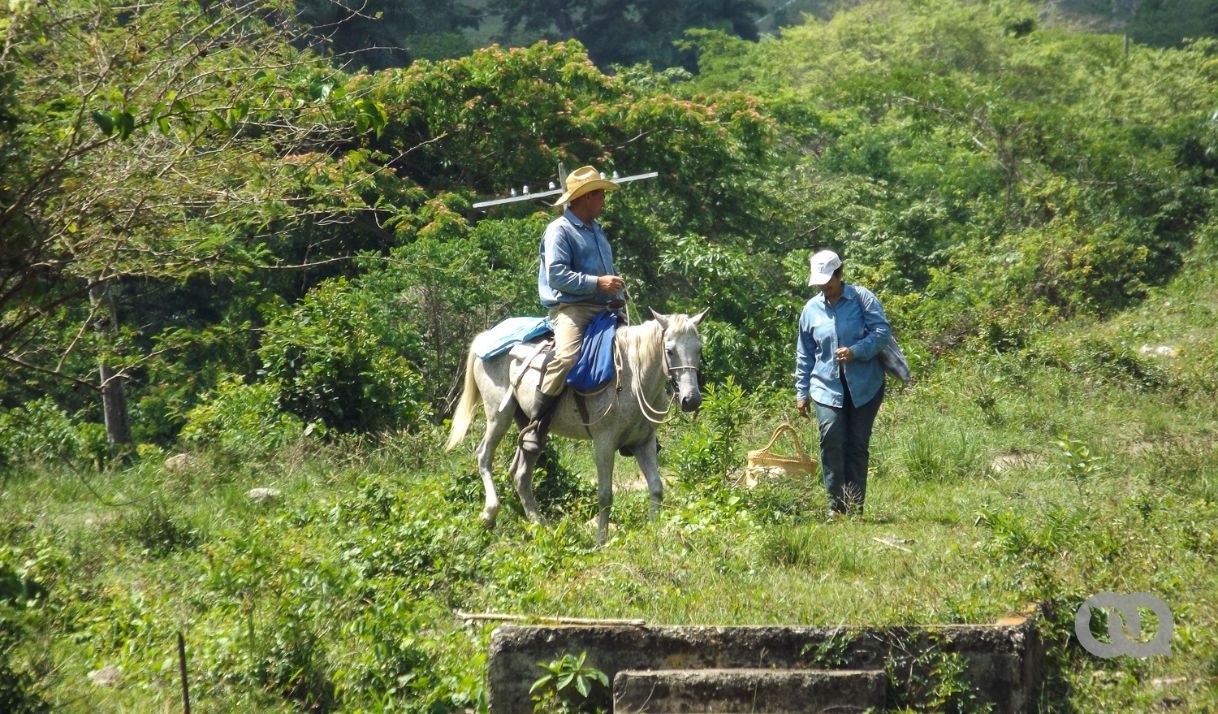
(845, 438)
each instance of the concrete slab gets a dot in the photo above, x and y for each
(1000, 663)
(764, 691)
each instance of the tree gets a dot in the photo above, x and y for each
(389, 33)
(152, 143)
(632, 32)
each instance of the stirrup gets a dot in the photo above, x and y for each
(524, 443)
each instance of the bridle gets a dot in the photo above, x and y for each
(673, 372)
(670, 370)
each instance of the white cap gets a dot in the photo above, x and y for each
(823, 265)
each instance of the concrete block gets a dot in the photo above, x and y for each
(764, 691)
(1003, 662)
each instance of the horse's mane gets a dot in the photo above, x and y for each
(643, 346)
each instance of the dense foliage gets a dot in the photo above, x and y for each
(307, 229)
(257, 251)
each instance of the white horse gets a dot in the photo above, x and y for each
(622, 415)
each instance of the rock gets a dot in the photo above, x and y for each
(591, 525)
(181, 462)
(1006, 462)
(1159, 351)
(1141, 447)
(262, 495)
(108, 676)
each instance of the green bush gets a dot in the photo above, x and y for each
(784, 500)
(561, 491)
(939, 452)
(22, 589)
(156, 529)
(332, 367)
(813, 548)
(389, 663)
(569, 685)
(41, 432)
(707, 452)
(1099, 360)
(292, 661)
(241, 419)
(18, 692)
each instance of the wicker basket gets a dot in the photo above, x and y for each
(763, 461)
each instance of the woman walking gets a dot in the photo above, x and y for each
(841, 332)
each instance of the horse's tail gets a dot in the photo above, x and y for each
(463, 415)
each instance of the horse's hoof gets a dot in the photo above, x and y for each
(488, 520)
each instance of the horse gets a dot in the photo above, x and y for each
(623, 415)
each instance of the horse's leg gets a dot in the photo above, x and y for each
(497, 424)
(522, 476)
(605, 449)
(646, 456)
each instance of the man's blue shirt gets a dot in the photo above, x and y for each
(857, 321)
(573, 255)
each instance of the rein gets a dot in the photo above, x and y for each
(651, 413)
(645, 407)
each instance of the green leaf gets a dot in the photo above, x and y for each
(104, 122)
(124, 123)
(371, 115)
(539, 684)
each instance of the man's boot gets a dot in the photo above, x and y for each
(533, 436)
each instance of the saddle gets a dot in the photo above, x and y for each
(594, 369)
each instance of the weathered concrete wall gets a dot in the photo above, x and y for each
(1004, 661)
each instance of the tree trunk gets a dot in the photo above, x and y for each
(114, 396)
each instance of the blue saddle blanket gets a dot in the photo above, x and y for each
(595, 364)
(510, 332)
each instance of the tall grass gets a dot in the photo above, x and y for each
(341, 594)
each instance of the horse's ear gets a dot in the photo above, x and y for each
(662, 319)
(698, 318)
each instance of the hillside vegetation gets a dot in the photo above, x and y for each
(267, 270)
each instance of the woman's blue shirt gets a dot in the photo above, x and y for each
(857, 321)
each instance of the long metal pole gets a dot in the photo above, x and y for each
(555, 192)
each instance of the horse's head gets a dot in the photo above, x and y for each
(683, 355)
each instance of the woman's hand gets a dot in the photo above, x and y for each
(802, 406)
(843, 354)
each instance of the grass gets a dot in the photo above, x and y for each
(342, 594)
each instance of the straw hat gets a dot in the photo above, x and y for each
(581, 181)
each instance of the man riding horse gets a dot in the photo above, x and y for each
(576, 282)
